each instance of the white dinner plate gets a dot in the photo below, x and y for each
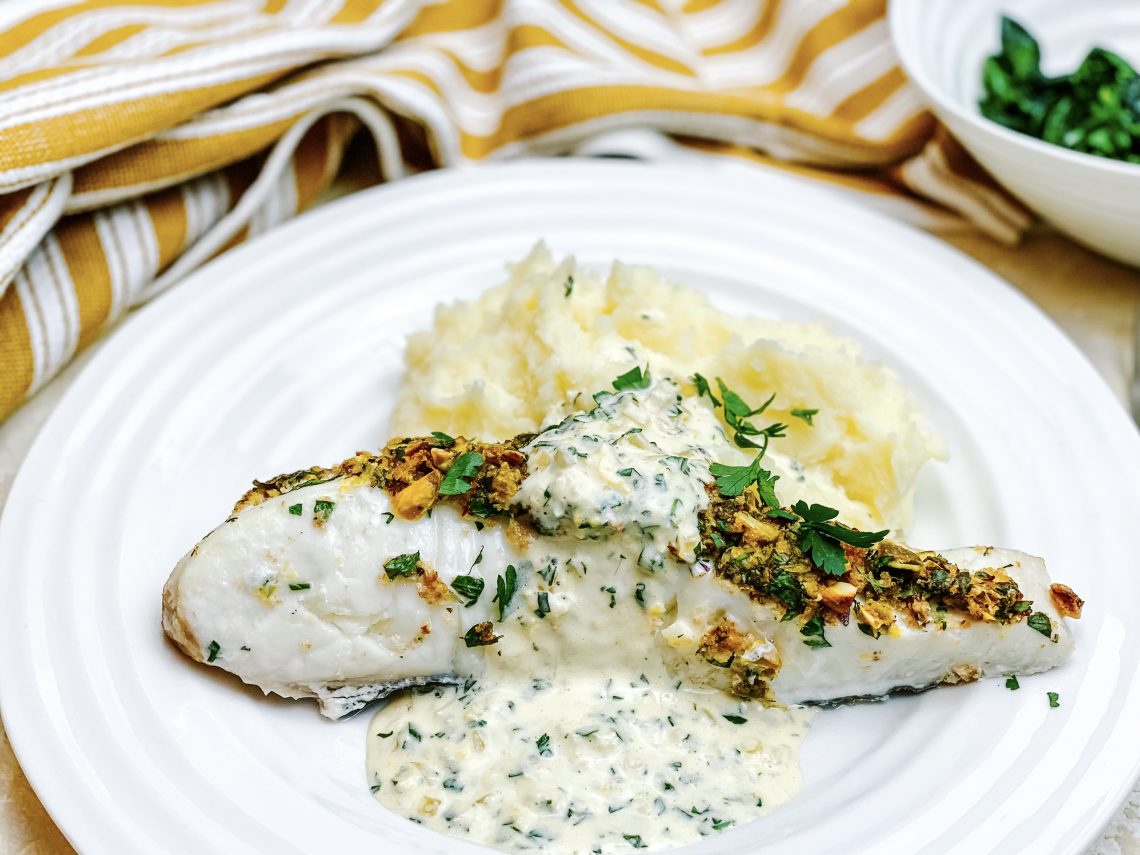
(287, 352)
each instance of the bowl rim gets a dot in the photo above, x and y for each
(942, 102)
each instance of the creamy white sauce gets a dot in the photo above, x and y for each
(581, 735)
(639, 460)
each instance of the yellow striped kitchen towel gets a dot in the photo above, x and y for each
(138, 138)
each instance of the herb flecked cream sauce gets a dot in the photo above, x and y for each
(578, 737)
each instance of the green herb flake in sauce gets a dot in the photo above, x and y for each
(735, 719)
(299, 586)
(1054, 700)
(635, 841)
(415, 734)
(505, 588)
(388, 517)
(543, 604)
(1012, 684)
(295, 510)
(463, 467)
(543, 744)
(568, 286)
(212, 651)
(468, 588)
(402, 565)
(633, 379)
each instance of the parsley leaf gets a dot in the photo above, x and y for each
(804, 414)
(735, 719)
(734, 480)
(1040, 622)
(703, 388)
(402, 565)
(1012, 684)
(505, 588)
(1054, 700)
(822, 538)
(464, 466)
(633, 379)
(299, 586)
(213, 650)
(443, 439)
(469, 588)
(568, 286)
(635, 841)
(825, 553)
(543, 743)
(813, 632)
(295, 510)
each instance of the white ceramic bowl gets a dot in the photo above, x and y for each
(942, 45)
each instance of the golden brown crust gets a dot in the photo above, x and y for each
(1065, 600)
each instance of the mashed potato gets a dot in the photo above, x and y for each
(524, 353)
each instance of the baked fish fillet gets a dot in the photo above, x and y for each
(409, 566)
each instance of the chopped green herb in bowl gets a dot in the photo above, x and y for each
(1095, 109)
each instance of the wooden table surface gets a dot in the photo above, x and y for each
(1093, 300)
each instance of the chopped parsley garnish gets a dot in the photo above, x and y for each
(213, 650)
(635, 841)
(415, 734)
(612, 591)
(464, 466)
(322, 510)
(295, 510)
(625, 473)
(735, 719)
(568, 286)
(478, 558)
(481, 635)
(804, 414)
(1095, 109)
(469, 588)
(822, 539)
(703, 388)
(1012, 684)
(299, 586)
(720, 824)
(1040, 622)
(443, 439)
(639, 593)
(505, 588)
(734, 480)
(402, 565)
(1054, 699)
(633, 379)
(813, 632)
(544, 746)
(453, 784)
(385, 735)
(543, 604)
(388, 517)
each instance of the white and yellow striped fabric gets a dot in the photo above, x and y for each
(139, 138)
